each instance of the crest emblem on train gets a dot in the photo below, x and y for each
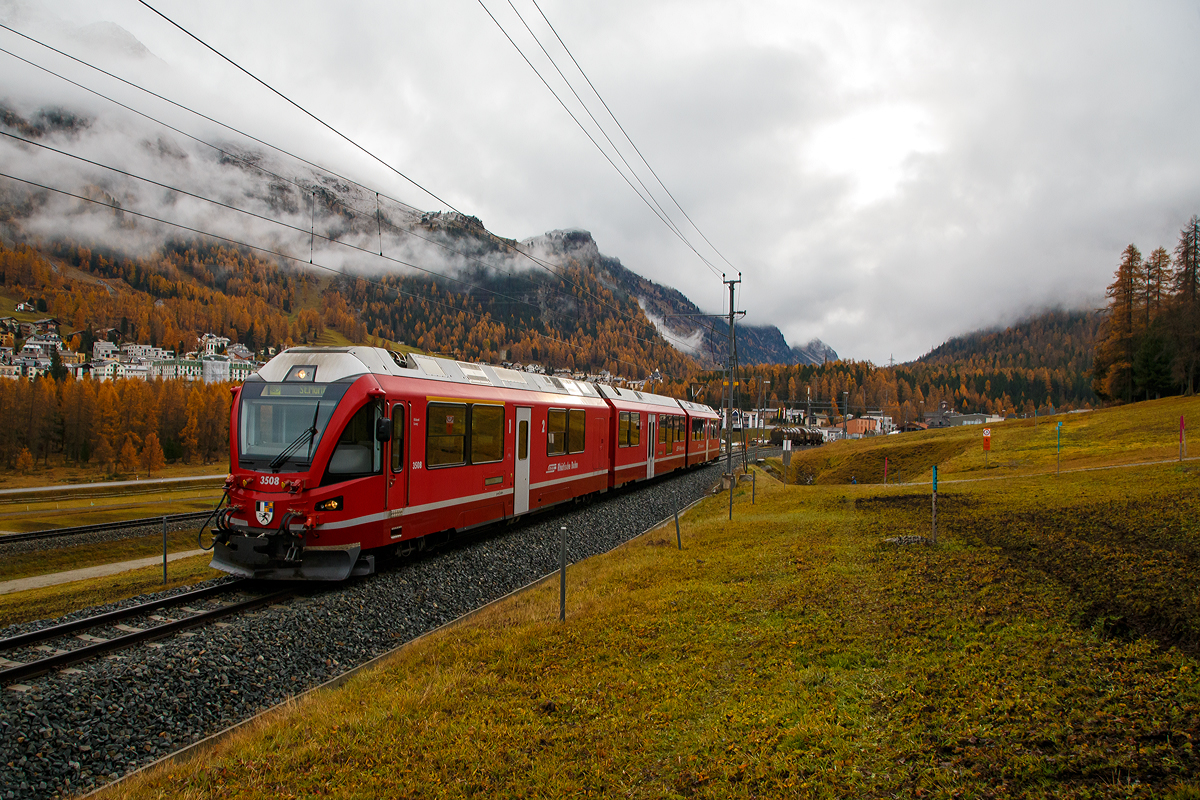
(264, 511)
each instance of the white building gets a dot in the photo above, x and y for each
(131, 352)
(103, 350)
(188, 369)
(213, 344)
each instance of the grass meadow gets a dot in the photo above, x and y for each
(1046, 647)
(1141, 432)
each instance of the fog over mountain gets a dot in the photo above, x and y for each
(251, 196)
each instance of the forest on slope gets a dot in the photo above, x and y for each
(1041, 363)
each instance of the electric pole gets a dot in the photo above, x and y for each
(729, 407)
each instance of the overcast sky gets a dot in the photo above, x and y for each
(884, 175)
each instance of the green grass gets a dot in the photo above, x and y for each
(46, 514)
(1147, 431)
(1035, 652)
(43, 562)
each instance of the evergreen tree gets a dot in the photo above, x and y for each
(1157, 284)
(1113, 369)
(1186, 316)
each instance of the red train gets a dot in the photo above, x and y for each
(341, 451)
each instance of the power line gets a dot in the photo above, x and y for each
(627, 137)
(306, 189)
(293, 103)
(181, 107)
(575, 119)
(348, 139)
(663, 215)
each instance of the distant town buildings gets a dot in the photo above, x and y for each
(216, 360)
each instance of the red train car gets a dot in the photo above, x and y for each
(704, 433)
(337, 452)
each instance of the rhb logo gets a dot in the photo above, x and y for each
(264, 512)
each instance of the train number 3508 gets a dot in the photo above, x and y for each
(270, 480)
(417, 464)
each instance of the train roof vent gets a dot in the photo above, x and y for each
(556, 382)
(474, 373)
(428, 365)
(510, 376)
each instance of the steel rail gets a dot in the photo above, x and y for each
(34, 668)
(55, 631)
(55, 533)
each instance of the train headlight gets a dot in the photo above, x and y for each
(334, 504)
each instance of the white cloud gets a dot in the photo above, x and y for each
(874, 148)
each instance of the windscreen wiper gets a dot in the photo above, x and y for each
(307, 436)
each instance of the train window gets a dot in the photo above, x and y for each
(630, 432)
(357, 451)
(697, 430)
(556, 432)
(397, 437)
(577, 430)
(445, 434)
(663, 425)
(523, 441)
(487, 433)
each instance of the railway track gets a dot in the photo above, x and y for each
(71, 730)
(56, 533)
(86, 647)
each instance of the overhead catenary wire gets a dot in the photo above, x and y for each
(280, 254)
(586, 133)
(662, 212)
(294, 104)
(308, 189)
(629, 139)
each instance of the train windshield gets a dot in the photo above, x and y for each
(280, 424)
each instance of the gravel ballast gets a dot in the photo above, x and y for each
(69, 732)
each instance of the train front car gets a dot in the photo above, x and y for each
(307, 436)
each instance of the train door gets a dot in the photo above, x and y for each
(397, 491)
(652, 443)
(521, 473)
(600, 455)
